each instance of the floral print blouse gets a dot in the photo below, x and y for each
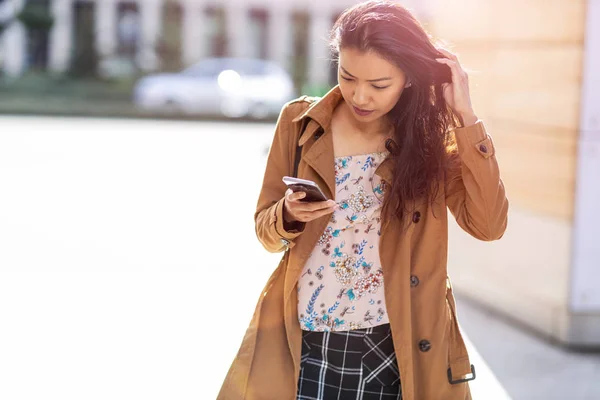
(341, 285)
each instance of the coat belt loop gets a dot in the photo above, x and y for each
(459, 363)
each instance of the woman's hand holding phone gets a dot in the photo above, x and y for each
(302, 211)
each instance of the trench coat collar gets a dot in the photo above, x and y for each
(320, 113)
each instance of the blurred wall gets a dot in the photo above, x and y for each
(530, 67)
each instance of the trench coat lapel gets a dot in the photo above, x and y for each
(320, 154)
(320, 157)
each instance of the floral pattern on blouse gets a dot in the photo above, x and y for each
(341, 285)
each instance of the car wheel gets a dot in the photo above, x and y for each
(234, 108)
(171, 107)
(259, 111)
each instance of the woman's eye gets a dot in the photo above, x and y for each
(374, 86)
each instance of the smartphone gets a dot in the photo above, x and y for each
(312, 190)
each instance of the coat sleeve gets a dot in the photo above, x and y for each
(474, 191)
(268, 217)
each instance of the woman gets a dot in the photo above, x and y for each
(360, 306)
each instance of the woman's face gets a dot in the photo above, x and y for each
(371, 86)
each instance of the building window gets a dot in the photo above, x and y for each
(128, 29)
(216, 31)
(258, 33)
(300, 26)
(169, 42)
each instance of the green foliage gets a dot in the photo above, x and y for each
(42, 85)
(315, 90)
(36, 17)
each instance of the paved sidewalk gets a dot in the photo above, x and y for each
(486, 385)
(528, 367)
(112, 244)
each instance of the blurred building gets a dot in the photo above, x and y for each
(535, 81)
(151, 33)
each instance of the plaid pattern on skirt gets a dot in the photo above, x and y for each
(358, 364)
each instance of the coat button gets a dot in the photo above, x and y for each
(318, 134)
(424, 345)
(414, 281)
(483, 148)
(416, 217)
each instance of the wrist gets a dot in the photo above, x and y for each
(292, 225)
(287, 218)
(468, 118)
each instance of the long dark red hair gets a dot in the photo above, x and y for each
(421, 118)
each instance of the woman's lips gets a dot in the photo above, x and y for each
(360, 112)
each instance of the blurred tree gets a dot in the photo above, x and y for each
(37, 19)
(36, 15)
(85, 58)
(169, 43)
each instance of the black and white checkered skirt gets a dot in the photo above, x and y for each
(359, 364)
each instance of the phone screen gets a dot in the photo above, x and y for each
(312, 190)
(312, 193)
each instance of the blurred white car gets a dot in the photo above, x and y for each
(233, 87)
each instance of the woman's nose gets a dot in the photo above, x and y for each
(360, 97)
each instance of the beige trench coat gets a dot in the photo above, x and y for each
(418, 294)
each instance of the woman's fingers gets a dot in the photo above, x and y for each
(307, 216)
(325, 211)
(307, 211)
(448, 54)
(316, 209)
(291, 196)
(318, 205)
(454, 63)
(307, 206)
(457, 74)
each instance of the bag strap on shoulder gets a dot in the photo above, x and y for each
(299, 148)
(298, 157)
